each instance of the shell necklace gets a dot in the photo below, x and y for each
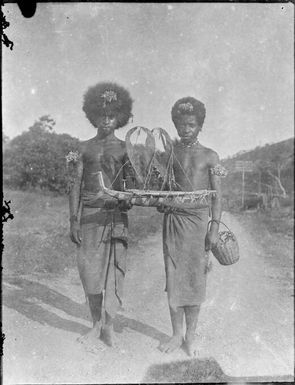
(190, 144)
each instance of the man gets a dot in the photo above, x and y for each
(98, 223)
(186, 241)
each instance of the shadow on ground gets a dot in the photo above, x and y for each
(28, 297)
(206, 370)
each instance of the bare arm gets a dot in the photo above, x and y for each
(215, 184)
(75, 189)
(75, 200)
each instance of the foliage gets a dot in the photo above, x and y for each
(36, 158)
(272, 174)
(5, 138)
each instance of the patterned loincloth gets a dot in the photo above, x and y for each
(102, 254)
(186, 262)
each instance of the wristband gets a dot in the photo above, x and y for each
(215, 220)
(211, 222)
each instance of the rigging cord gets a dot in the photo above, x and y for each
(150, 164)
(184, 172)
(169, 166)
(118, 173)
(168, 177)
(149, 173)
(129, 161)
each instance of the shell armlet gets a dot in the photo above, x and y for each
(219, 170)
(73, 156)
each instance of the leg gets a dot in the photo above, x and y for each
(106, 334)
(95, 305)
(177, 326)
(114, 286)
(93, 257)
(191, 320)
(84, 287)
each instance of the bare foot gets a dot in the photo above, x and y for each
(189, 345)
(106, 335)
(91, 340)
(174, 343)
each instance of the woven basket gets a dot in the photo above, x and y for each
(226, 249)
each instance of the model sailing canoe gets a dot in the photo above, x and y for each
(150, 154)
(153, 198)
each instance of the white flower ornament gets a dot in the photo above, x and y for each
(108, 96)
(186, 106)
(219, 170)
(73, 156)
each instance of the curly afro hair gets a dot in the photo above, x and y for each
(188, 106)
(107, 98)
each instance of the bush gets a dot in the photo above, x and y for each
(36, 158)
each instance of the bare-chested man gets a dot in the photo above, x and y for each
(99, 222)
(185, 237)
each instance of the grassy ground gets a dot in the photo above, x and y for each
(37, 239)
(273, 230)
(276, 221)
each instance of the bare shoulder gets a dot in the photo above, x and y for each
(83, 145)
(87, 145)
(118, 141)
(210, 155)
(121, 142)
(115, 145)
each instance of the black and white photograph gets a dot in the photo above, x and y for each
(148, 192)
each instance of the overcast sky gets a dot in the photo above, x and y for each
(236, 58)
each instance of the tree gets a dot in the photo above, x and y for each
(274, 167)
(5, 138)
(279, 163)
(36, 158)
(45, 122)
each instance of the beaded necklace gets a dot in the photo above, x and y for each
(190, 144)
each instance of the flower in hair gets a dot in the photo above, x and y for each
(108, 96)
(186, 106)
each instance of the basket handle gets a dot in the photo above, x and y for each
(214, 220)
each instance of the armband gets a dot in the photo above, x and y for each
(218, 170)
(72, 159)
(73, 156)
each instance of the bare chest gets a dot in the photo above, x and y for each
(191, 169)
(97, 155)
(106, 157)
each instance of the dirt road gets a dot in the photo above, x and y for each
(245, 326)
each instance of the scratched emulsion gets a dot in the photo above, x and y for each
(239, 58)
(6, 214)
(2, 343)
(27, 8)
(5, 24)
